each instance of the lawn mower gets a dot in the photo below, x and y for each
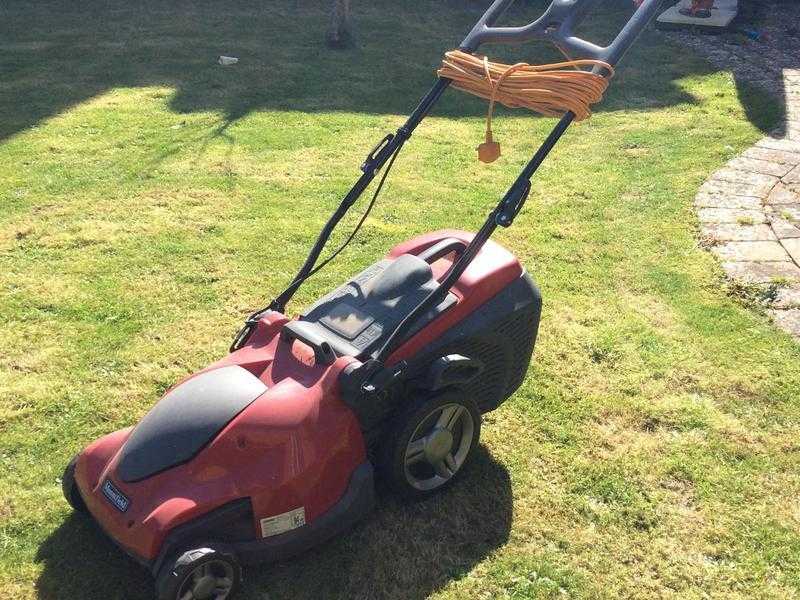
(276, 447)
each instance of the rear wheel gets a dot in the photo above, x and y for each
(210, 572)
(430, 443)
(70, 489)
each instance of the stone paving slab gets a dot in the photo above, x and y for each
(784, 229)
(793, 176)
(787, 297)
(762, 272)
(757, 165)
(780, 143)
(759, 181)
(736, 188)
(736, 232)
(782, 194)
(706, 199)
(790, 212)
(751, 251)
(771, 155)
(731, 215)
(788, 320)
(792, 246)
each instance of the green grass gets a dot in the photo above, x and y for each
(150, 198)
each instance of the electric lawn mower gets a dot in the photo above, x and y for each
(273, 448)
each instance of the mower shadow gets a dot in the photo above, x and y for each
(401, 550)
(79, 561)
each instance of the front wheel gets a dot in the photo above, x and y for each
(430, 442)
(70, 489)
(210, 572)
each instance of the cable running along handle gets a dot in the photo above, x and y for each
(555, 25)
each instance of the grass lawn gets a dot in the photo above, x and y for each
(150, 198)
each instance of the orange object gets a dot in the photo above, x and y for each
(702, 5)
(699, 8)
(489, 151)
(551, 90)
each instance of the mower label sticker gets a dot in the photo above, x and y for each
(283, 522)
(115, 496)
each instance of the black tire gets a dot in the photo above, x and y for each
(70, 489)
(411, 472)
(201, 571)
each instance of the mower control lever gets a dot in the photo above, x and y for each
(382, 377)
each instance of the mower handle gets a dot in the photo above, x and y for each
(442, 249)
(556, 25)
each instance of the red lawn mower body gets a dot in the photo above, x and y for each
(295, 445)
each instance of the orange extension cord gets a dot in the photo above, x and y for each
(551, 90)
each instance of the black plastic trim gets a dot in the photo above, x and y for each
(205, 529)
(185, 420)
(452, 369)
(356, 502)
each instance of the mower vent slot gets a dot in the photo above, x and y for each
(500, 335)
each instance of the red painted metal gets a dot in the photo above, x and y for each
(296, 445)
(492, 270)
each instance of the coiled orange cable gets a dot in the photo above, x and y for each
(551, 89)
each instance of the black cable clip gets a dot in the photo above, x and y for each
(511, 205)
(247, 330)
(370, 164)
(242, 336)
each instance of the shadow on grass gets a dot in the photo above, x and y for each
(81, 562)
(404, 551)
(54, 55)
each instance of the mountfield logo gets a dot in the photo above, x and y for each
(116, 497)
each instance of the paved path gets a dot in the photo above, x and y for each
(750, 214)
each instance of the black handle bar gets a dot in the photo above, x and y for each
(556, 25)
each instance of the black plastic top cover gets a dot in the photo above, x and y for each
(186, 420)
(357, 317)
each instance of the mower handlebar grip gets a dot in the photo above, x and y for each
(556, 25)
